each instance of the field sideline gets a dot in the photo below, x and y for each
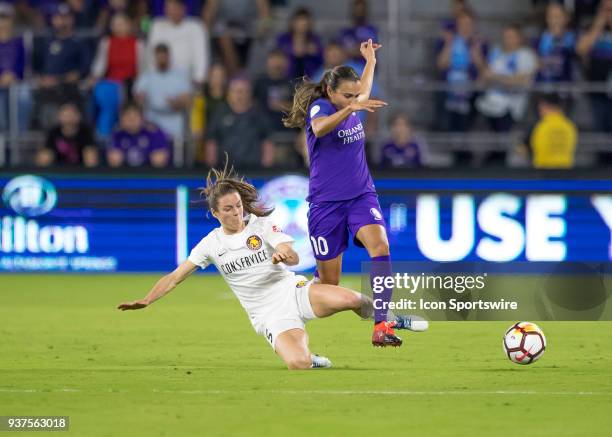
(192, 365)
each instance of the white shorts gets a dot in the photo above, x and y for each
(293, 313)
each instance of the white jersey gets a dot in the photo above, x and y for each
(245, 261)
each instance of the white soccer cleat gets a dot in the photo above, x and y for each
(319, 362)
(411, 323)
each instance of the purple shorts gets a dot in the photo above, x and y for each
(329, 223)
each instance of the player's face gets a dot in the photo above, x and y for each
(346, 93)
(230, 212)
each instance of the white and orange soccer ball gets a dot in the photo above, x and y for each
(524, 343)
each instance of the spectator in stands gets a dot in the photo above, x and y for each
(12, 65)
(141, 16)
(165, 94)
(273, 91)
(33, 13)
(240, 130)
(334, 55)
(301, 45)
(208, 102)
(459, 60)
(186, 37)
(234, 25)
(595, 49)
(457, 7)
(84, 13)
(584, 10)
(119, 60)
(108, 10)
(70, 142)
(138, 143)
(508, 69)
(404, 149)
(556, 47)
(60, 62)
(551, 142)
(361, 30)
(64, 58)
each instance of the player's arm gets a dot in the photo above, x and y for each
(285, 254)
(323, 125)
(165, 285)
(367, 50)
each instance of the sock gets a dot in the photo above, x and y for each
(316, 278)
(367, 309)
(381, 266)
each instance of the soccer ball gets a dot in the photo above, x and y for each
(524, 343)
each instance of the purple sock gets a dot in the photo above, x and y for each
(381, 266)
(316, 274)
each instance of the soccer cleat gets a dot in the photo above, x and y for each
(319, 362)
(384, 335)
(411, 323)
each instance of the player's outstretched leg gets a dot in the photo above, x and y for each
(292, 347)
(330, 299)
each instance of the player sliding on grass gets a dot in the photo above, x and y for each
(249, 251)
(341, 192)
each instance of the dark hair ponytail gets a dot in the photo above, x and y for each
(307, 92)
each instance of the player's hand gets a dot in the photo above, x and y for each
(368, 105)
(279, 257)
(136, 305)
(367, 49)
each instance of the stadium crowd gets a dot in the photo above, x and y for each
(118, 83)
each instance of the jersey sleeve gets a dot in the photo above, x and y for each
(320, 108)
(200, 254)
(273, 234)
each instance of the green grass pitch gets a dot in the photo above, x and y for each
(191, 365)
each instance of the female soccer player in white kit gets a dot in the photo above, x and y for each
(249, 251)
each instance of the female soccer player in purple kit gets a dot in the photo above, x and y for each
(341, 192)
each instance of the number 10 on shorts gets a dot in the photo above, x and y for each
(319, 245)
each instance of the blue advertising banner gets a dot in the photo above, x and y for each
(133, 224)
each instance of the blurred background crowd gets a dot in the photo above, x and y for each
(176, 83)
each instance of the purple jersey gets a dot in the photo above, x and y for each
(338, 165)
(137, 147)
